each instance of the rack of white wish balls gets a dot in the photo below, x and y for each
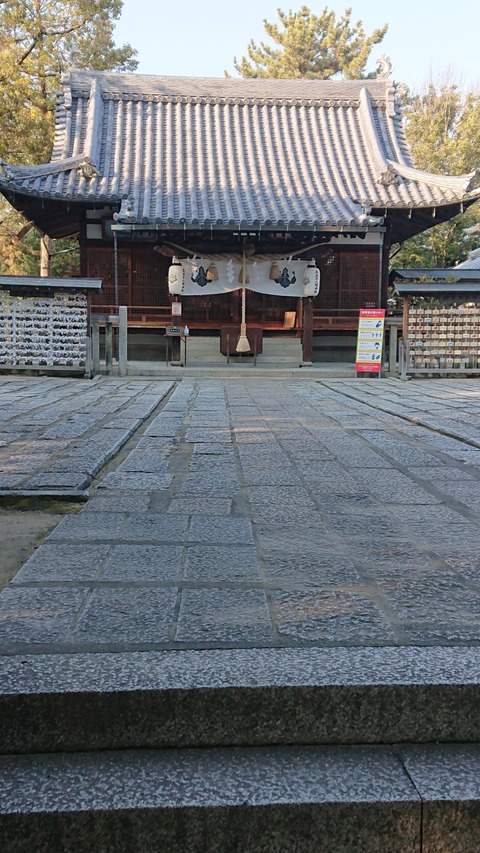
(43, 329)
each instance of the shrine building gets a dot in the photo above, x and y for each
(254, 177)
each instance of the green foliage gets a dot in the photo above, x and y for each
(444, 245)
(443, 130)
(310, 46)
(37, 37)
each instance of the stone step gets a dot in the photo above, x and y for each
(206, 359)
(203, 353)
(307, 799)
(278, 349)
(238, 697)
(250, 800)
(281, 352)
(293, 360)
(210, 346)
(281, 343)
(239, 367)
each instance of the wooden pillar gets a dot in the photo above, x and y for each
(307, 337)
(299, 322)
(387, 245)
(84, 271)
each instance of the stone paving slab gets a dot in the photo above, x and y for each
(57, 434)
(320, 518)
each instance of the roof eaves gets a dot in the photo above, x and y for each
(459, 184)
(16, 177)
(18, 281)
(389, 171)
(257, 227)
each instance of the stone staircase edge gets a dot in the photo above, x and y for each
(238, 697)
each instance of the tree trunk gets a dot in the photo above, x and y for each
(45, 256)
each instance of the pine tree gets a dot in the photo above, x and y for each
(311, 46)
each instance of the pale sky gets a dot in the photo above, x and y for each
(425, 38)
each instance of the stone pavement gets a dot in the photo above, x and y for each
(57, 434)
(249, 513)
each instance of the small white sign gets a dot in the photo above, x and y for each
(176, 309)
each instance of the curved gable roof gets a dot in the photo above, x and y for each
(199, 152)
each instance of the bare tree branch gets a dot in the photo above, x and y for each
(38, 37)
(24, 231)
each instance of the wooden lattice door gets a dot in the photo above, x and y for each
(149, 278)
(359, 280)
(142, 276)
(100, 264)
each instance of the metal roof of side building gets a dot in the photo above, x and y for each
(27, 282)
(229, 153)
(436, 282)
(432, 288)
(443, 275)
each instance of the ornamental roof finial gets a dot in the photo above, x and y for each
(69, 56)
(385, 69)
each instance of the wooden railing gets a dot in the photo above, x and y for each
(140, 315)
(197, 316)
(335, 318)
(212, 317)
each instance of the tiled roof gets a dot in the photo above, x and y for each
(472, 262)
(188, 152)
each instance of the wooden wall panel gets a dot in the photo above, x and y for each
(142, 276)
(359, 282)
(349, 281)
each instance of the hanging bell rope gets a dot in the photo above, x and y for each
(243, 345)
